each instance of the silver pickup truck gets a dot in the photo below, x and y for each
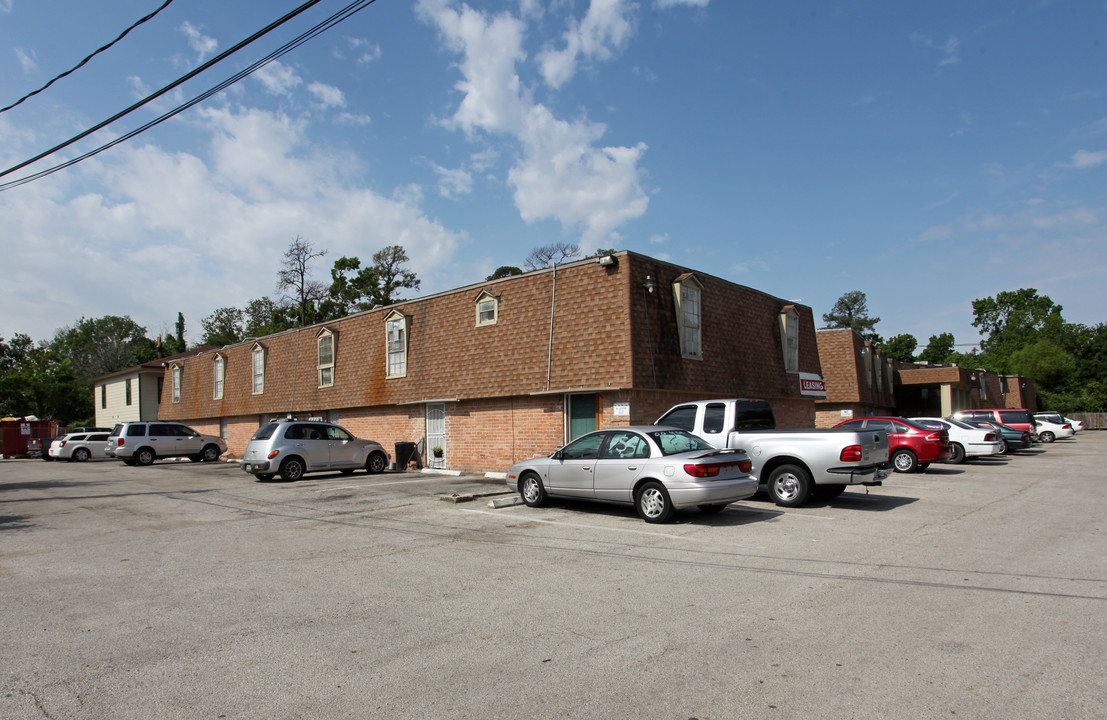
(792, 465)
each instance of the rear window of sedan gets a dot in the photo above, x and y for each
(672, 442)
(265, 431)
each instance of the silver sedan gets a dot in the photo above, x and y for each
(657, 469)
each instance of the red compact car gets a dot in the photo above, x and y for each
(911, 447)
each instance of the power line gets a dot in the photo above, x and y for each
(153, 96)
(81, 64)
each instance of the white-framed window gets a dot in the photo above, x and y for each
(688, 296)
(258, 367)
(789, 338)
(176, 383)
(325, 345)
(395, 336)
(488, 309)
(218, 372)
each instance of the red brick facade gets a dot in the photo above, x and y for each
(580, 328)
(860, 380)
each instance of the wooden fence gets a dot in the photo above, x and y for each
(1092, 421)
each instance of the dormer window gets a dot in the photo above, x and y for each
(687, 294)
(218, 372)
(258, 365)
(395, 337)
(789, 338)
(325, 346)
(176, 372)
(488, 309)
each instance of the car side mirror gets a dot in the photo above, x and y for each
(559, 455)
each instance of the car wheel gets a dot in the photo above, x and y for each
(904, 461)
(531, 490)
(712, 509)
(829, 492)
(1005, 449)
(376, 463)
(81, 455)
(145, 456)
(1047, 437)
(211, 453)
(292, 469)
(653, 503)
(790, 485)
(956, 454)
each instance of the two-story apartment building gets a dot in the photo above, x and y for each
(133, 393)
(502, 370)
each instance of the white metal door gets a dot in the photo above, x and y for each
(436, 433)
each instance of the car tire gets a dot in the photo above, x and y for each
(957, 454)
(531, 490)
(790, 485)
(1047, 436)
(653, 503)
(904, 461)
(292, 469)
(376, 463)
(712, 509)
(210, 453)
(829, 492)
(145, 456)
(1005, 449)
(81, 455)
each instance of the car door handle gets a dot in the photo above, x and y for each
(586, 469)
(632, 467)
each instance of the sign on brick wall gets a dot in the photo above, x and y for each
(812, 384)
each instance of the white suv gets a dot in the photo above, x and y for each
(141, 443)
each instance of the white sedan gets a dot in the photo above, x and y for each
(1048, 431)
(1077, 425)
(966, 440)
(79, 447)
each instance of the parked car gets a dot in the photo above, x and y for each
(1048, 431)
(141, 443)
(1077, 425)
(657, 469)
(1018, 418)
(79, 446)
(1012, 438)
(911, 447)
(965, 440)
(292, 448)
(1059, 419)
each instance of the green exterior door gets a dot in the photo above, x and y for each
(582, 415)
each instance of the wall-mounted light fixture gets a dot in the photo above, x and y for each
(650, 285)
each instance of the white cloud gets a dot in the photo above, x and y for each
(453, 183)
(659, 239)
(28, 60)
(606, 28)
(353, 119)
(277, 78)
(190, 233)
(5, 6)
(201, 44)
(562, 172)
(675, 3)
(327, 95)
(949, 51)
(1086, 159)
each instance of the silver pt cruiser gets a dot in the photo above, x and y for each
(291, 448)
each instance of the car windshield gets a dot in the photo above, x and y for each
(960, 424)
(678, 441)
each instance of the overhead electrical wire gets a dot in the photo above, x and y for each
(334, 19)
(81, 64)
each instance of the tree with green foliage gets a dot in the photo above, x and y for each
(391, 276)
(103, 345)
(264, 316)
(504, 271)
(1012, 320)
(852, 311)
(900, 348)
(36, 381)
(225, 326)
(939, 349)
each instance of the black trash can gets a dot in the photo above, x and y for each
(405, 453)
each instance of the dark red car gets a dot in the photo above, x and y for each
(911, 447)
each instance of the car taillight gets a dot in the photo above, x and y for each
(713, 469)
(62, 443)
(989, 437)
(1026, 437)
(273, 454)
(850, 453)
(1067, 426)
(119, 442)
(935, 437)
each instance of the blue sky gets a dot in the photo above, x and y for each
(927, 154)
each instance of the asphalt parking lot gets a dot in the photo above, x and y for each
(188, 590)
